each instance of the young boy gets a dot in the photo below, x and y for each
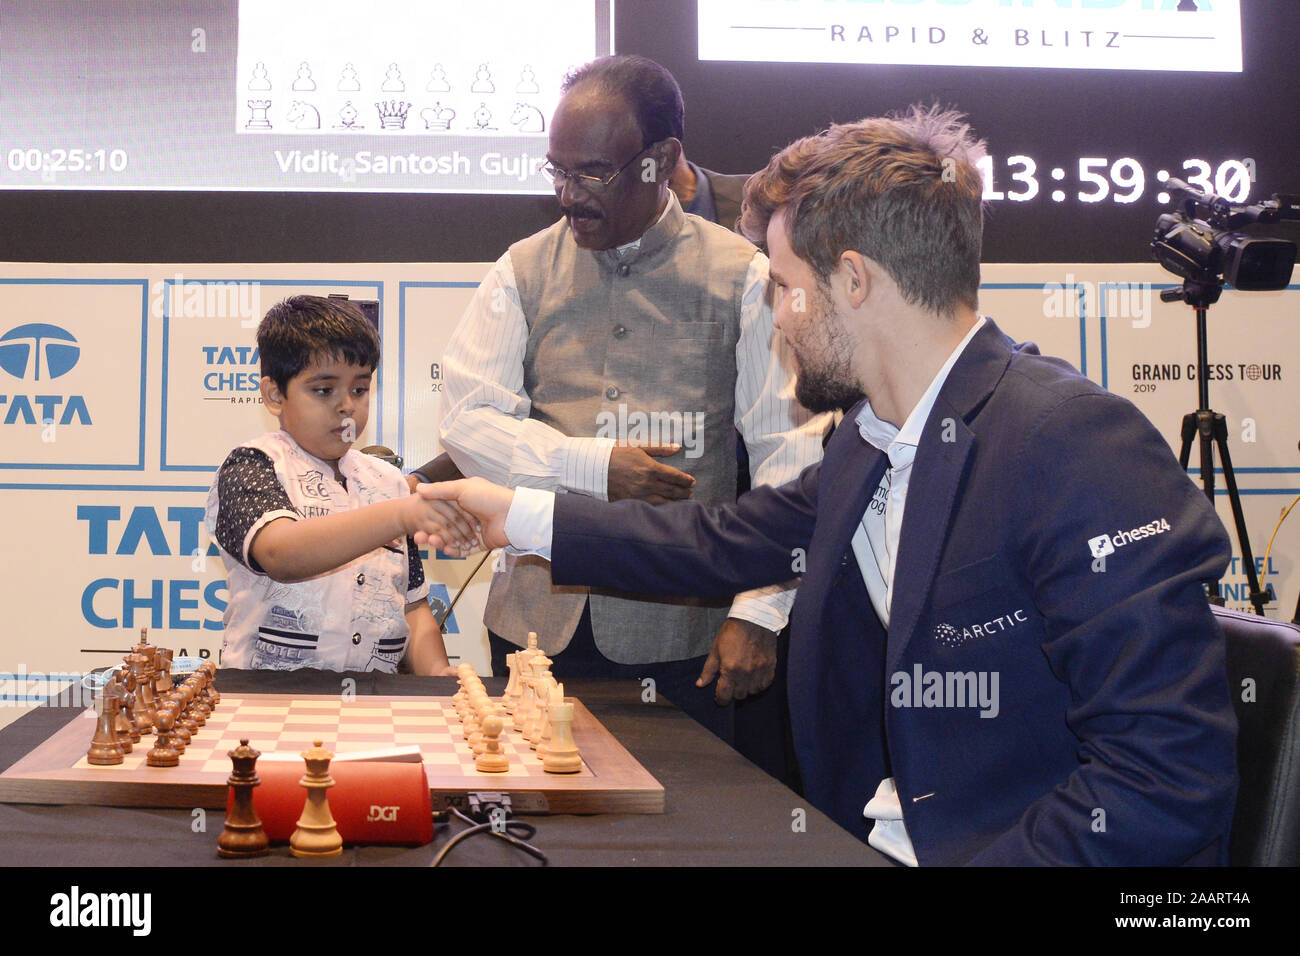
(316, 538)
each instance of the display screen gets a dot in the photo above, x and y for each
(1088, 108)
(1189, 36)
(288, 95)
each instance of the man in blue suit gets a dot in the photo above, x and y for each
(1002, 652)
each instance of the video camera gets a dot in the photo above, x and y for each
(1198, 241)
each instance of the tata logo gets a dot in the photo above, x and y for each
(39, 352)
(381, 814)
(28, 349)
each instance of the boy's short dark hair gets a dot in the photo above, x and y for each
(305, 328)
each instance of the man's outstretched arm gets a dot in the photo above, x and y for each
(681, 548)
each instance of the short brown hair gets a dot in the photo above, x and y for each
(903, 190)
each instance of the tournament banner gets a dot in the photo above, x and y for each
(1172, 35)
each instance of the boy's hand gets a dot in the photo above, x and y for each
(440, 523)
(484, 501)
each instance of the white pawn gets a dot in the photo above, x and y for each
(483, 81)
(303, 82)
(492, 760)
(393, 82)
(438, 80)
(259, 80)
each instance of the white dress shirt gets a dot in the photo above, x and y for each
(875, 544)
(351, 618)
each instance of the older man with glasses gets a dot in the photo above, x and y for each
(615, 355)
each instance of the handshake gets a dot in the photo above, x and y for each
(459, 517)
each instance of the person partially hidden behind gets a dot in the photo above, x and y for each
(1002, 649)
(316, 538)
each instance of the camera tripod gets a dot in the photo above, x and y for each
(1212, 429)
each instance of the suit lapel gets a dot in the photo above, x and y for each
(938, 472)
(937, 475)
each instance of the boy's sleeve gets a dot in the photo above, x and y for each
(416, 587)
(250, 495)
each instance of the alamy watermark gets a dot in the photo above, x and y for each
(653, 428)
(207, 299)
(24, 688)
(1115, 300)
(76, 908)
(956, 689)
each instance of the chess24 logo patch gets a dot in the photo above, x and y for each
(1104, 544)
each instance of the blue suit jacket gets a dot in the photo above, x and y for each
(1034, 703)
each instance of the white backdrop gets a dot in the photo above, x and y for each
(104, 468)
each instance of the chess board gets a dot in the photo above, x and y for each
(281, 726)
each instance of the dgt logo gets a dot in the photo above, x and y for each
(38, 352)
(382, 814)
(22, 355)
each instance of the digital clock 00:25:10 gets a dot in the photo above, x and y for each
(1122, 180)
(33, 160)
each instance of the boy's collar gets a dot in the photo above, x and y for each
(346, 459)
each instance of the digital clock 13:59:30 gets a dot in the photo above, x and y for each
(1122, 180)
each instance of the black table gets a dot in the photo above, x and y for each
(721, 810)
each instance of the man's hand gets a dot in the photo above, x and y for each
(412, 483)
(634, 473)
(743, 659)
(486, 502)
(445, 523)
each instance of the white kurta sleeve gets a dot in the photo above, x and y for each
(485, 424)
(781, 436)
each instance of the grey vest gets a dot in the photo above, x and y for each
(616, 348)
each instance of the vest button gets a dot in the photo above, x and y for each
(624, 269)
(356, 639)
(611, 393)
(620, 332)
(361, 577)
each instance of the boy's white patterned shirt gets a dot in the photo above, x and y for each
(352, 618)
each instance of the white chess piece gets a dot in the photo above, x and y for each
(303, 83)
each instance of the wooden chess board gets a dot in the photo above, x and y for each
(281, 726)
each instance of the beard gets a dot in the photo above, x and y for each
(822, 390)
(828, 385)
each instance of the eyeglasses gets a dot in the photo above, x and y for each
(558, 175)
